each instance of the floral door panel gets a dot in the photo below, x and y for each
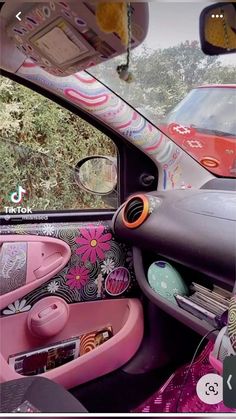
(99, 267)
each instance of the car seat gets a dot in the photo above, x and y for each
(37, 394)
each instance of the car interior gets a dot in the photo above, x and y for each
(117, 231)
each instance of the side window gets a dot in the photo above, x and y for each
(41, 148)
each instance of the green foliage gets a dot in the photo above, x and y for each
(40, 144)
(163, 77)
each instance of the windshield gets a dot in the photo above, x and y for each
(170, 67)
(209, 109)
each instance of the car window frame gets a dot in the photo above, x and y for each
(122, 146)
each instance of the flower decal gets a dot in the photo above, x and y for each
(153, 203)
(93, 243)
(99, 282)
(53, 287)
(13, 249)
(48, 230)
(77, 277)
(20, 229)
(107, 266)
(17, 307)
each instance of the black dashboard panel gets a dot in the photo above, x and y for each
(224, 184)
(196, 228)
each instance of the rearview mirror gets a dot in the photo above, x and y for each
(97, 174)
(218, 29)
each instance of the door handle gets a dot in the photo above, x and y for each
(48, 317)
(49, 264)
(45, 257)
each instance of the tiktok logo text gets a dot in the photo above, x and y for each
(16, 198)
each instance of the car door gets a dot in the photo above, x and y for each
(68, 289)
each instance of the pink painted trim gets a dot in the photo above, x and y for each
(126, 125)
(154, 146)
(78, 97)
(215, 363)
(83, 80)
(28, 65)
(126, 317)
(35, 261)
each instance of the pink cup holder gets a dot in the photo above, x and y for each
(47, 323)
(48, 317)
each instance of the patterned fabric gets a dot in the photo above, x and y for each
(99, 268)
(12, 266)
(232, 322)
(26, 407)
(167, 399)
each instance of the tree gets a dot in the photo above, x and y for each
(163, 77)
(40, 144)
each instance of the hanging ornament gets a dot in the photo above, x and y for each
(116, 17)
(112, 17)
(123, 69)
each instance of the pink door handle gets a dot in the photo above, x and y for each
(48, 317)
(47, 311)
(44, 258)
(49, 264)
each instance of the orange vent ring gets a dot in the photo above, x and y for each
(135, 211)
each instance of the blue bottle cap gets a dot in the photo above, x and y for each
(160, 264)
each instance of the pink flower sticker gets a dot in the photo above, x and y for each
(77, 277)
(93, 243)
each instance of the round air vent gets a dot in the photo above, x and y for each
(135, 211)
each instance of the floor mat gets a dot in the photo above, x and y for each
(173, 398)
(119, 392)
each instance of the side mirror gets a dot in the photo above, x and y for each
(218, 29)
(97, 174)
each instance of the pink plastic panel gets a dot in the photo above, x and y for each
(46, 256)
(216, 363)
(124, 315)
(86, 277)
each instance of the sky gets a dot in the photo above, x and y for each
(171, 23)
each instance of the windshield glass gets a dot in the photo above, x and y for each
(170, 67)
(209, 109)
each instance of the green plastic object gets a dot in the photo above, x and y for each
(166, 280)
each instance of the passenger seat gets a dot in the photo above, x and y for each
(37, 394)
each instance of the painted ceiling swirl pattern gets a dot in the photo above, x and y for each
(92, 96)
(99, 268)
